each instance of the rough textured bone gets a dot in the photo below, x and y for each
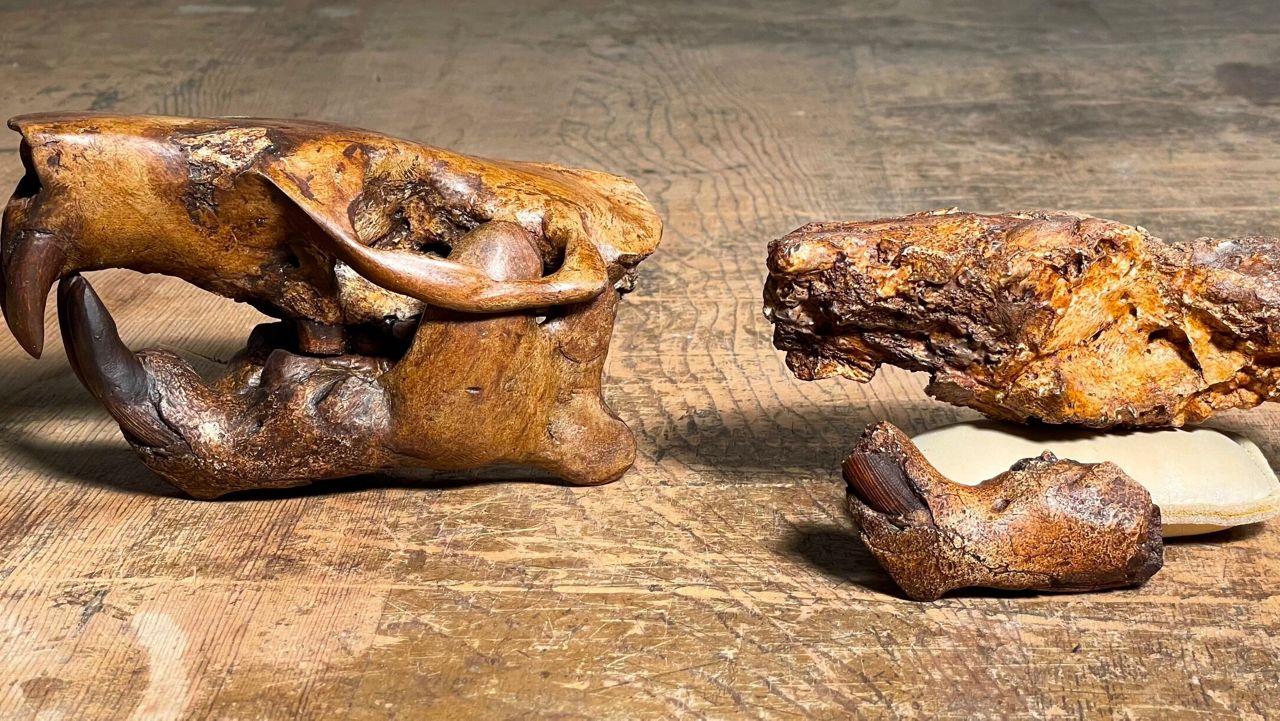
(1045, 316)
(1046, 524)
(440, 311)
(1203, 480)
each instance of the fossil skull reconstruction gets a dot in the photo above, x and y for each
(1047, 315)
(437, 310)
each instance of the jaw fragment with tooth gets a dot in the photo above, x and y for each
(1045, 524)
(438, 311)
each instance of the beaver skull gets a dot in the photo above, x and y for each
(438, 310)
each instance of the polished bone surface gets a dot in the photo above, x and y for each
(438, 310)
(1039, 316)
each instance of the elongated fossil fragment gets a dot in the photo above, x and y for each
(1038, 316)
(438, 311)
(1046, 524)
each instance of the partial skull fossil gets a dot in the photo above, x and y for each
(1038, 316)
(439, 311)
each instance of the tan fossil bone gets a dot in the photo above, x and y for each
(1043, 315)
(1045, 524)
(439, 311)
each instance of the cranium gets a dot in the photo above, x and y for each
(438, 310)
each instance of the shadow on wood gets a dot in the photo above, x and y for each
(835, 551)
(98, 465)
(115, 467)
(804, 437)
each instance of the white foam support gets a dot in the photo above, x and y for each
(1203, 480)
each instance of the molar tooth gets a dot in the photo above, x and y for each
(105, 365)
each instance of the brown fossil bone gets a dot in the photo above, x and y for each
(1045, 315)
(1046, 524)
(438, 311)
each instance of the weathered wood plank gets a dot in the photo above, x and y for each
(719, 579)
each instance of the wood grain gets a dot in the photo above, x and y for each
(720, 578)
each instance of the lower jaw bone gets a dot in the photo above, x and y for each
(273, 419)
(1045, 524)
(282, 422)
(470, 391)
(1203, 480)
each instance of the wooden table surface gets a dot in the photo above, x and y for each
(719, 578)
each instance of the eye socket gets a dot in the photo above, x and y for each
(436, 247)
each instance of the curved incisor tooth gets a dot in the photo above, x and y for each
(106, 367)
(31, 266)
(881, 483)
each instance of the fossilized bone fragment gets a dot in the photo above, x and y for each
(1046, 316)
(438, 311)
(1046, 524)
